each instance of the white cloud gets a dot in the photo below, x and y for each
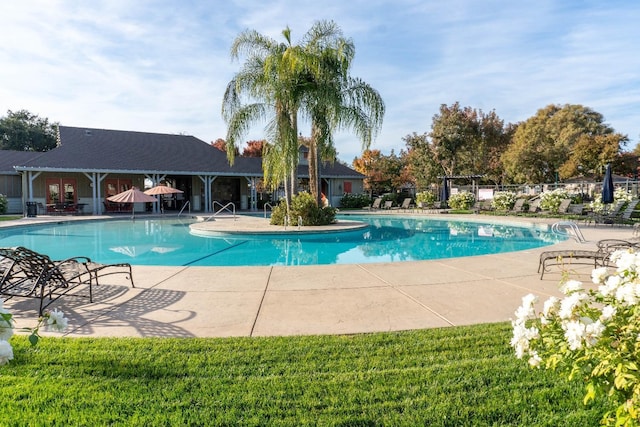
(163, 65)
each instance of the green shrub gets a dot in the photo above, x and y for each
(4, 203)
(305, 207)
(550, 200)
(461, 201)
(503, 200)
(427, 198)
(355, 201)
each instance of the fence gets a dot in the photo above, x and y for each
(588, 189)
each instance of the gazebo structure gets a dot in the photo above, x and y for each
(445, 190)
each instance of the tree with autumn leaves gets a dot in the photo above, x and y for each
(558, 142)
(383, 174)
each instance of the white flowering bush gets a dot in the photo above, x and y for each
(51, 321)
(550, 200)
(462, 200)
(427, 198)
(590, 334)
(503, 200)
(622, 195)
(619, 195)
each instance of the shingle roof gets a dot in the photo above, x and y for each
(10, 158)
(88, 149)
(328, 170)
(114, 150)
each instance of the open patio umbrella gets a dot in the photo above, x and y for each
(162, 189)
(607, 186)
(132, 195)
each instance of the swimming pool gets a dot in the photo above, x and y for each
(157, 241)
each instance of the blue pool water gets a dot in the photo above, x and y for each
(154, 241)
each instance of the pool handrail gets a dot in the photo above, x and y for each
(265, 208)
(223, 208)
(568, 229)
(184, 206)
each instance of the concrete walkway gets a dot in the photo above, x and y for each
(333, 299)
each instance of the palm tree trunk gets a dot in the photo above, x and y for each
(314, 178)
(293, 117)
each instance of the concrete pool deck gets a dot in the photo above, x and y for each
(306, 300)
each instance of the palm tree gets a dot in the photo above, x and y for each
(283, 79)
(268, 77)
(334, 100)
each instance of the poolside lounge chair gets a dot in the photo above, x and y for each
(27, 273)
(599, 257)
(534, 206)
(423, 206)
(563, 208)
(624, 217)
(576, 209)
(406, 204)
(607, 217)
(388, 204)
(376, 204)
(518, 206)
(481, 206)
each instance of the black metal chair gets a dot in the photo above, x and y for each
(26, 273)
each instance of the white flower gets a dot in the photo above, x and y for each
(624, 260)
(535, 360)
(526, 310)
(568, 304)
(522, 337)
(598, 275)
(627, 294)
(6, 332)
(549, 305)
(607, 313)
(593, 332)
(6, 352)
(574, 331)
(55, 321)
(571, 286)
(610, 284)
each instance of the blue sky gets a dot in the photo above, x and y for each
(162, 66)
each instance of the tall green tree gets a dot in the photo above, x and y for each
(268, 80)
(420, 160)
(462, 141)
(453, 132)
(333, 99)
(24, 131)
(493, 140)
(311, 78)
(546, 146)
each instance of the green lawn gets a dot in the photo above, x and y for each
(9, 217)
(464, 376)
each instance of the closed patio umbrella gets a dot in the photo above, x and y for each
(444, 192)
(607, 186)
(132, 195)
